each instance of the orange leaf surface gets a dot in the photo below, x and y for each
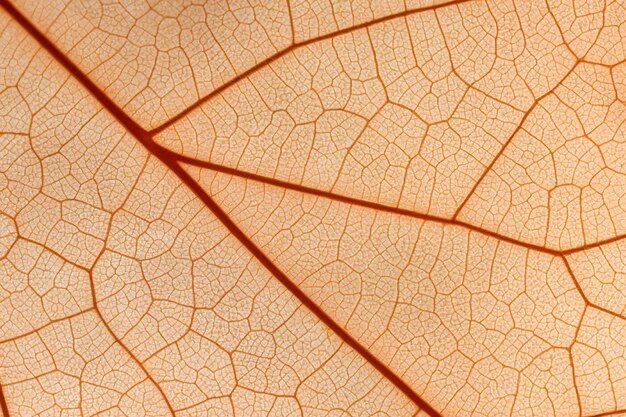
(312, 208)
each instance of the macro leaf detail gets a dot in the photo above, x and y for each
(312, 208)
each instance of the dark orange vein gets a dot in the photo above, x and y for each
(610, 413)
(291, 48)
(588, 303)
(383, 207)
(509, 140)
(594, 245)
(3, 403)
(494, 160)
(167, 157)
(133, 127)
(355, 201)
(300, 295)
(126, 349)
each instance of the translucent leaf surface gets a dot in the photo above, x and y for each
(324, 208)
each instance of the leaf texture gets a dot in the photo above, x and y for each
(325, 208)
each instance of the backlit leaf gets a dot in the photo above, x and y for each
(312, 208)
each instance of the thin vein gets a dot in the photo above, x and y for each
(299, 294)
(145, 138)
(126, 349)
(173, 160)
(383, 207)
(509, 140)
(355, 201)
(291, 48)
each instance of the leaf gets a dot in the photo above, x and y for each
(317, 209)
